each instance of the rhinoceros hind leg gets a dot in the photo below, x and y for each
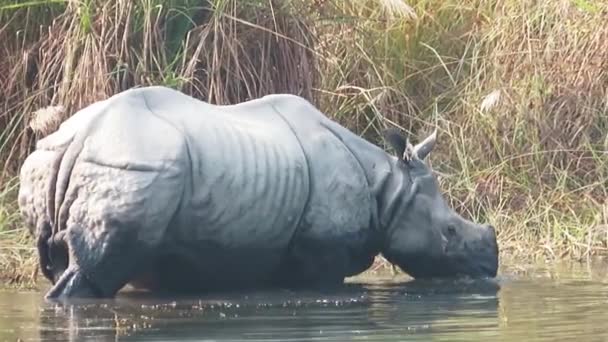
(74, 283)
(99, 268)
(117, 222)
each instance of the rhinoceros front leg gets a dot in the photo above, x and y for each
(116, 221)
(320, 263)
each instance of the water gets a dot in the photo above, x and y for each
(542, 304)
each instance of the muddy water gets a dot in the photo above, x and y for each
(539, 304)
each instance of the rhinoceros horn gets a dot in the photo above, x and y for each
(422, 149)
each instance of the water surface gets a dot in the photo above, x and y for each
(541, 304)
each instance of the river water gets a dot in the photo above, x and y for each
(522, 304)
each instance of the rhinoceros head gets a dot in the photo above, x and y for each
(425, 237)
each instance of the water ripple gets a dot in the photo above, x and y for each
(518, 308)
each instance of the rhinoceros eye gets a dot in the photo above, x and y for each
(451, 230)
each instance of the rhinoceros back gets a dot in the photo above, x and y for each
(247, 186)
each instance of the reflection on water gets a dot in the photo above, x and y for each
(517, 307)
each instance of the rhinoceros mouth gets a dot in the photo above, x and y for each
(469, 265)
(444, 271)
(482, 270)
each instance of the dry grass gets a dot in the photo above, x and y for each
(517, 89)
(18, 260)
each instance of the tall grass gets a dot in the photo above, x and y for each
(517, 89)
(18, 260)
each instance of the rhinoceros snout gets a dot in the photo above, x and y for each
(490, 238)
(489, 245)
(491, 231)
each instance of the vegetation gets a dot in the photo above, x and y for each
(517, 90)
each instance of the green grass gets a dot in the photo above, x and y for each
(515, 88)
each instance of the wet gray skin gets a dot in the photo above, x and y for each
(167, 193)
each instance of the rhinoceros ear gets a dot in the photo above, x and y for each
(399, 142)
(394, 138)
(422, 149)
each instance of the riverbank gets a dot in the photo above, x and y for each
(516, 89)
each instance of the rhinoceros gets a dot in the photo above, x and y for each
(167, 193)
